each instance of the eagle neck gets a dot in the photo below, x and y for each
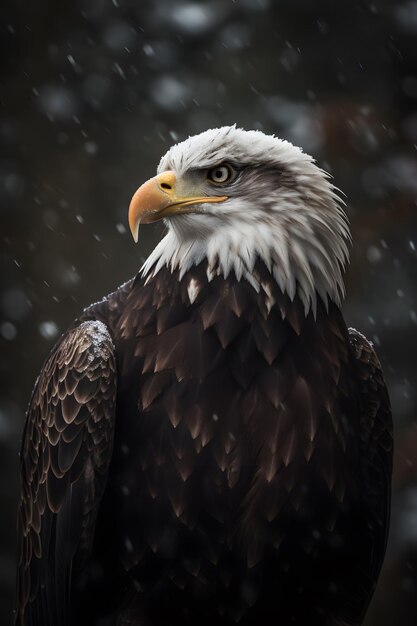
(300, 267)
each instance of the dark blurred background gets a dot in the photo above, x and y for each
(93, 92)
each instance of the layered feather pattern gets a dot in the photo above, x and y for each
(66, 452)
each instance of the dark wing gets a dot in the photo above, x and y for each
(377, 449)
(66, 450)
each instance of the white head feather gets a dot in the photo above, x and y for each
(286, 213)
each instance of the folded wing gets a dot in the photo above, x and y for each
(66, 451)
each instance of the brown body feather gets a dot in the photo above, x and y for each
(250, 475)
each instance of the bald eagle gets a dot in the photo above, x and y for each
(210, 444)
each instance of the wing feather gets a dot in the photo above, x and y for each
(377, 448)
(66, 451)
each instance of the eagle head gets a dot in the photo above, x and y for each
(232, 196)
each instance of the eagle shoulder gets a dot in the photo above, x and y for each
(377, 416)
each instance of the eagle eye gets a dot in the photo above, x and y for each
(220, 174)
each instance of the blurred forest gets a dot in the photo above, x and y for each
(93, 92)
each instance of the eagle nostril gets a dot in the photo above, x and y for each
(166, 186)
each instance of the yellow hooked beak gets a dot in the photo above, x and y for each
(157, 199)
